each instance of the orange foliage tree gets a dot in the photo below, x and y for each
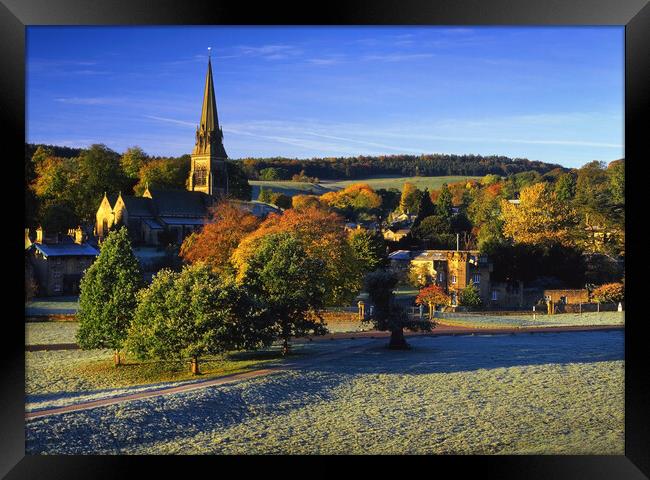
(217, 240)
(432, 296)
(300, 202)
(323, 236)
(359, 196)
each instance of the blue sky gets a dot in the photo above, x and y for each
(545, 93)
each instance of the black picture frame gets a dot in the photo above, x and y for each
(15, 15)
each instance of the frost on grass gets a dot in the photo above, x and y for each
(537, 394)
(47, 333)
(477, 320)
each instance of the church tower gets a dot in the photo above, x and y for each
(208, 172)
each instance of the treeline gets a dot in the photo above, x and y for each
(393, 165)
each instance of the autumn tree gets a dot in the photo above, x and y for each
(300, 202)
(107, 299)
(218, 239)
(420, 275)
(609, 293)
(432, 296)
(539, 218)
(410, 199)
(323, 236)
(290, 283)
(353, 201)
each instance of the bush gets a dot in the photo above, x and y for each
(470, 296)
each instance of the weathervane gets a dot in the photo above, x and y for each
(209, 52)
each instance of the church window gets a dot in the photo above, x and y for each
(200, 176)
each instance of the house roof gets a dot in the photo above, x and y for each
(179, 203)
(153, 224)
(66, 249)
(183, 220)
(138, 206)
(400, 255)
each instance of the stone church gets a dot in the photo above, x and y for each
(168, 216)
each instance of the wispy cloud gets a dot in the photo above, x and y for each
(171, 120)
(396, 57)
(90, 100)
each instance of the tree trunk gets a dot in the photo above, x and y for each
(116, 358)
(194, 366)
(285, 347)
(397, 340)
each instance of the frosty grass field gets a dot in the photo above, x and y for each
(477, 320)
(552, 393)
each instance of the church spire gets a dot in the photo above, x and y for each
(209, 120)
(208, 134)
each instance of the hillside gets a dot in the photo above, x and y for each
(303, 188)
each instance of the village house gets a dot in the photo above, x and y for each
(59, 261)
(451, 269)
(395, 235)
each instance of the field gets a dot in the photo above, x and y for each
(477, 320)
(302, 188)
(543, 393)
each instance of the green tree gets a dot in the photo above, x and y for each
(132, 160)
(290, 284)
(280, 200)
(238, 186)
(272, 173)
(387, 314)
(444, 202)
(369, 248)
(425, 209)
(565, 187)
(470, 296)
(164, 173)
(107, 300)
(265, 195)
(616, 173)
(195, 313)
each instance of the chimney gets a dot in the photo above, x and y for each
(78, 235)
(39, 235)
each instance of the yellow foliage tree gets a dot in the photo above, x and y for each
(359, 196)
(539, 217)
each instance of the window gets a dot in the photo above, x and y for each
(453, 298)
(200, 176)
(453, 279)
(476, 278)
(495, 295)
(440, 277)
(563, 300)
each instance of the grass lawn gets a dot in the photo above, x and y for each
(501, 394)
(432, 183)
(56, 378)
(477, 320)
(303, 188)
(47, 333)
